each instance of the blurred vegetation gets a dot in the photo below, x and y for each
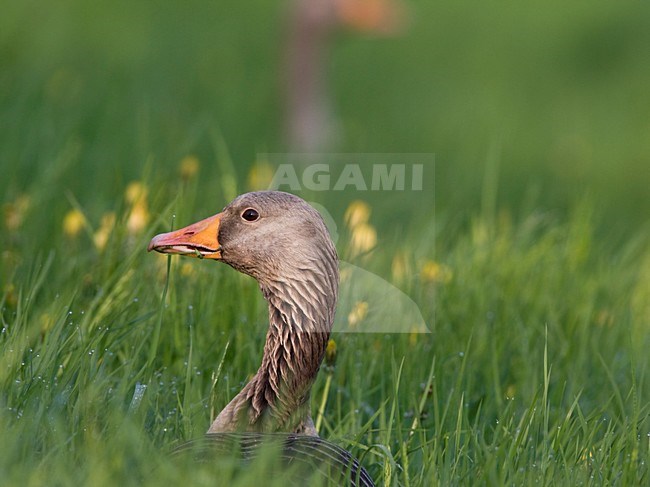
(559, 91)
(532, 268)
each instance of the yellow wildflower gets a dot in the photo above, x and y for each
(330, 353)
(136, 196)
(414, 336)
(358, 313)
(189, 167)
(187, 269)
(364, 238)
(357, 214)
(135, 192)
(73, 222)
(103, 233)
(399, 267)
(435, 272)
(46, 322)
(138, 218)
(14, 213)
(260, 176)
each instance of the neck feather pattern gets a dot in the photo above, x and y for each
(301, 315)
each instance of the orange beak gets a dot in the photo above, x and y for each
(197, 240)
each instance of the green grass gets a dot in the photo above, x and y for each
(536, 370)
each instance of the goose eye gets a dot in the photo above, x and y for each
(250, 215)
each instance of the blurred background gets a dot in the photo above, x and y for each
(531, 230)
(545, 103)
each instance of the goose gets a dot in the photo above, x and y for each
(283, 243)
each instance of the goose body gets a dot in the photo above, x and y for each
(282, 242)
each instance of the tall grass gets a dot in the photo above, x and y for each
(535, 371)
(537, 294)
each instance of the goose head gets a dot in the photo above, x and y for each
(270, 235)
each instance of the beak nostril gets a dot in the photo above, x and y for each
(189, 233)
